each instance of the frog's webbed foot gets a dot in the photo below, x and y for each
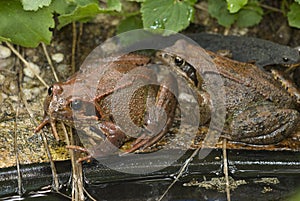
(145, 141)
(263, 124)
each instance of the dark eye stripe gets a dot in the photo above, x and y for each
(187, 69)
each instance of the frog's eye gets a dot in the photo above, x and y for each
(50, 91)
(285, 59)
(178, 61)
(76, 104)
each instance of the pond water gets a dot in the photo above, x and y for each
(260, 174)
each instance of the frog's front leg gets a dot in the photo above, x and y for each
(263, 124)
(160, 114)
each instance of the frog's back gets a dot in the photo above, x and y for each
(247, 81)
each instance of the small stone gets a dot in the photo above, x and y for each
(36, 91)
(4, 96)
(4, 52)
(58, 57)
(14, 98)
(28, 71)
(2, 78)
(13, 87)
(28, 94)
(6, 63)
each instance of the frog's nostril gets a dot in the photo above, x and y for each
(285, 59)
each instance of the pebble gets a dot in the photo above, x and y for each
(6, 63)
(4, 96)
(58, 57)
(1, 98)
(2, 78)
(28, 94)
(28, 72)
(64, 70)
(13, 87)
(4, 52)
(14, 98)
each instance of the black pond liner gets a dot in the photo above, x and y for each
(106, 184)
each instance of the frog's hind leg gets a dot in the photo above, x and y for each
(160, 116)
(262, 124)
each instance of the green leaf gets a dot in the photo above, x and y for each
(250, 15)
(85, 10)
(294, 15)
(247, 18)
(172, 15)
(192, 2)
(35, 5)
(130, 23)
(137, 0)
(114, 5)
(26, 28)
(81, 13)
(218, 10)
(235, 5)
(298, 1)
(62, 6)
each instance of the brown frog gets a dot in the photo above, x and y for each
(259, 109)
(90, 100)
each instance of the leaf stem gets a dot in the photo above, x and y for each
(49, 61)
(271, 8)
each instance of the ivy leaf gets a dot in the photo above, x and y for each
(26, 28)
(218, 10)
(250, 15)
(35, 5)
(294, 15)
(172, 15)
(235, 5)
